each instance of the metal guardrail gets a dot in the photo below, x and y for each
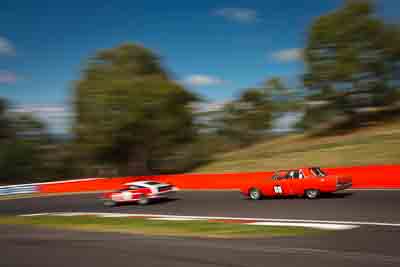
(18, 189)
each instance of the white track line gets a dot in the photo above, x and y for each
(174, 219)
(323, 226)
(106, 215)
(373, 189)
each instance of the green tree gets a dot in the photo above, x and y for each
(247, 118)
(128, 109)
(276, 87)
(284, 99)
(28, 126)
(22, 142)
(5, 127)
(354, 54)
(19, 125)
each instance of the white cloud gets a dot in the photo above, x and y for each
(288, 55)
(286, 122)
(58, 117)
(243, 15)
(209, 106)
(7, 77)
(45, 109)
(6, 48)
(202, 80)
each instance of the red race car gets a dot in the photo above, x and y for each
(308, 182)
(141, 192)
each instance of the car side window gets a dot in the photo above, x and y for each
(123, 190)
(291, 175)
(282, 175)
(277, 176)
(317, 172)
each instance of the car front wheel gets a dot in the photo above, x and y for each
(312, 193)
(255, 194)
(143, 200)
(109, 203)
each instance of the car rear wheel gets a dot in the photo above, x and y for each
(143, 200)
(312, 193)
(109, 203)
(255, 194)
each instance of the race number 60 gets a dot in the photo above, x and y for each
(278, 189)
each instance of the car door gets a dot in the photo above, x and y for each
(136, 191)
(296, 183)
(281, 186)
(120, 195)
(126, 195)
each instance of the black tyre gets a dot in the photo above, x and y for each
(143, 200)
(109, 203)
(311, 193)
(255, 194)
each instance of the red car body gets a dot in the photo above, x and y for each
(140, 191)
(309, 182)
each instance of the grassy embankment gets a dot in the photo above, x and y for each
(369, 146)
(156, 227)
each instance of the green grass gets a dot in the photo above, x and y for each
(34, 195)
(153, 227)
(9, 197)
(370, 146)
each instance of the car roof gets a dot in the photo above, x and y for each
(295, 169)
(287, 170)
(143, 182)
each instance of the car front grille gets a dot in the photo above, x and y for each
(164, 188)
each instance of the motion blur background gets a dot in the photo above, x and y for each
(105, 89)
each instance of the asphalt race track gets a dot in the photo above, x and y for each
(364, 246)
(349, 205)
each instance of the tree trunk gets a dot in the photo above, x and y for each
(138, 161)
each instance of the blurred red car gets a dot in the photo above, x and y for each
(308, 182)
(141, 192)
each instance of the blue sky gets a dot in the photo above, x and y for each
(215, 47)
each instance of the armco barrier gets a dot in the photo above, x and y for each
(183, 181)
(383, 176)
(18, 189)
(214, 181)
(98, 184)
(387, 176)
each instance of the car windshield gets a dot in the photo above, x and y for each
(318, 172)
(133, 187)
(123, 189)
(280, 175)
(152, 183)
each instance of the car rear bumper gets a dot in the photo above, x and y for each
(163, 194)
(343, 186)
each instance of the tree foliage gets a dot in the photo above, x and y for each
(4, 122)
(247, 118)
(283, 98)
(24, 148)
(127, 108)
(352, 58)
(276, 87)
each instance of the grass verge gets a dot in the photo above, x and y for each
(369, 146)
(155, 227)
(34, 195)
